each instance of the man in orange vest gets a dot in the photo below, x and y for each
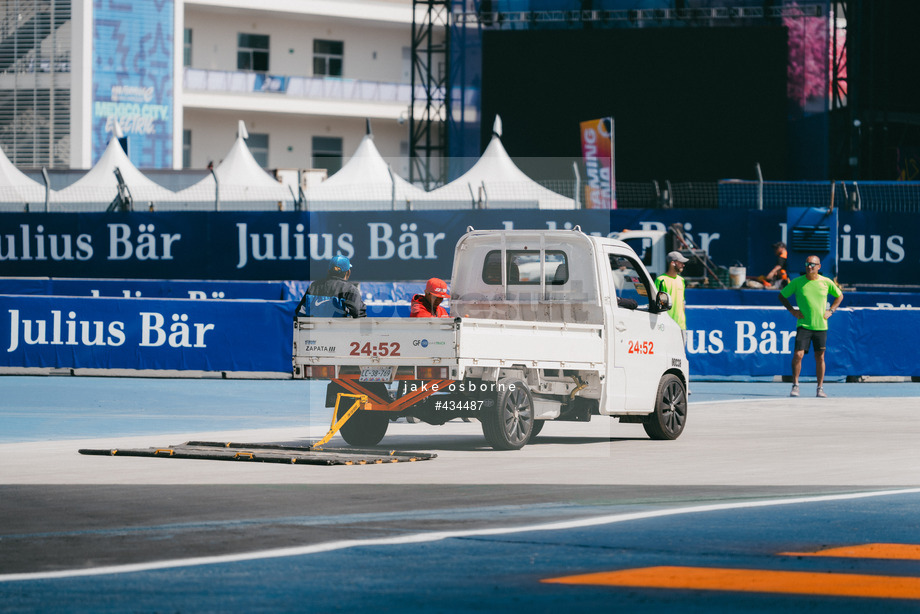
(428, 305)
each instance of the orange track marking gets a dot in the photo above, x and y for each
(754, 581)
(901, 552)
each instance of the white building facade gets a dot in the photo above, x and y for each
(178, 75)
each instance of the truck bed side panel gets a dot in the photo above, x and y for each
(548, 345)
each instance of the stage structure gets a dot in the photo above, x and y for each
(447, 61)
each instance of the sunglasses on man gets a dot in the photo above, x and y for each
(811, 264)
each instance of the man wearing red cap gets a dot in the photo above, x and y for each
(428, 305)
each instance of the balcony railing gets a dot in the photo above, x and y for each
(317, 88)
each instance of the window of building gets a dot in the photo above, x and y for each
(406, 64)
(327, 58)
(327, 153)
(187, 48)
(258, 146)
(186, 149)
(252, 52)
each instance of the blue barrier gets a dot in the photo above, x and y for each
(53, 332)
(377, 295)
(146, 334)
(769, 298)
(756, 342)
(148, 288)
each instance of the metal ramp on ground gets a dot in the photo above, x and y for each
(267, 453)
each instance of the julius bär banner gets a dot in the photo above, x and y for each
(388, 246)
(146, 334)
(241, 336)
(759, 342)
(597, 148)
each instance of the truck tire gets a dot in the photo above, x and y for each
(508, 425)
(670, 415)
(365, 428)
(537, 427)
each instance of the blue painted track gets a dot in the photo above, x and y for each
(38, 408)
(503, 573)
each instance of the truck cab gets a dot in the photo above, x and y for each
(570, 278)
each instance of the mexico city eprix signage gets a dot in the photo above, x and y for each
(133, 79)
(145, 334)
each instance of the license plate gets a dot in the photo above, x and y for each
(376, 374)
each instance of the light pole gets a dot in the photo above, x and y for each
(854, 159)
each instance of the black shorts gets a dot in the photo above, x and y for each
(805, 337)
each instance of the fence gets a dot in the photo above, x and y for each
(882, 196)
(875, 196)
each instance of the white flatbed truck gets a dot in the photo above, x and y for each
(538, 331)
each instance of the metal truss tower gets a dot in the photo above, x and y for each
(843, 135)
(429, 110)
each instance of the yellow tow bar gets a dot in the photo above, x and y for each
(360, 402)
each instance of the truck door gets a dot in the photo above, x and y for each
(635, 333)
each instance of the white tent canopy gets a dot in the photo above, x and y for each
(16, 189)
(243, 184)
(365, 182)
(99, 186)
(498, 183)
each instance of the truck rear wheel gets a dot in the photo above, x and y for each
(365, 428)
(537, 427)
(508, 426)
(670, 415)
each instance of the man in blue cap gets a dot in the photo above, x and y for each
(333, 296)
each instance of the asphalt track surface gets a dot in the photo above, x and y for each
(764, 503)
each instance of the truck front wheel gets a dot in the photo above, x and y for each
(365, 428)
(508, 425)
(670, 415)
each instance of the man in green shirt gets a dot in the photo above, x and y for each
(811, 291)
(672, 283)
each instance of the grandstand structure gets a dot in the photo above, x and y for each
(302, 75)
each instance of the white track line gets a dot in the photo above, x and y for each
(420, 538)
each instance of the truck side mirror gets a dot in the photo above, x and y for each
(663, 301)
